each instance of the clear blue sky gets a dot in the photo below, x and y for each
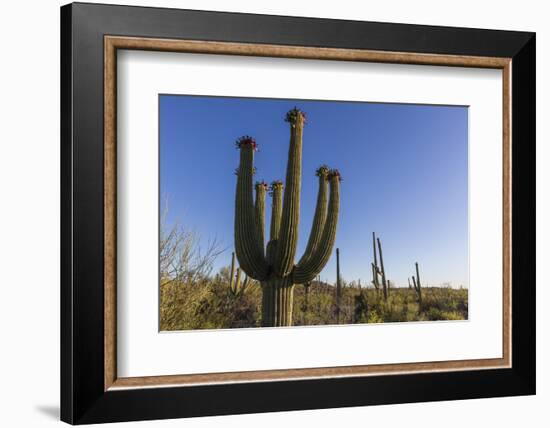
(404, 169)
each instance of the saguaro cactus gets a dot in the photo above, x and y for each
(379, 271)
(274, 265)
(417, 286)
(236, 286)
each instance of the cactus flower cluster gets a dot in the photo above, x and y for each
(246, 140)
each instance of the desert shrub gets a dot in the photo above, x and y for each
(320, 308)
(185, 307)
(207, 304)
(434, 314)
(437, 301)
(374, 317)
(453, 315)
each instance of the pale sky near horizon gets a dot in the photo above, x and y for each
(404, 169)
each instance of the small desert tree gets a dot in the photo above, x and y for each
(184, 275)
(181, 257)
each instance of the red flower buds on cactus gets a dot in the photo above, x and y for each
(322, 171)
(292, 115)
(277, 184)
(334, 173)
(262, 184)
(246, 140)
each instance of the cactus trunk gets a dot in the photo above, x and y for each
(277, 302)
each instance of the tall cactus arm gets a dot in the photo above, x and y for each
(414, 283)
(374, 249)
(383, 271)
(276, 209)
(320, 215)
(261, 189)
(418, 286)
(288, 234)
(276, 192)
(246, 240)
(320, 257)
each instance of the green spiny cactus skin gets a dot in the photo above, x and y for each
(276, 193)
(274, 266)
(261, 189)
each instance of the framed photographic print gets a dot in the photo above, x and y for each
(266, 213)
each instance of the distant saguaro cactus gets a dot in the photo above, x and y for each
(236, 286)
(377, 271)
(274, 266)
(417, 286)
